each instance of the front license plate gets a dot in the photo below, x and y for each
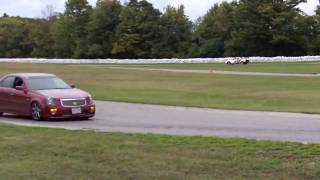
(76, 110)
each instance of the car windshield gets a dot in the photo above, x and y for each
(45, 83)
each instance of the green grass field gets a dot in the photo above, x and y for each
(290, 94)
(37, 153)
(303, 68)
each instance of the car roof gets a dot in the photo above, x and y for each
(32, 75)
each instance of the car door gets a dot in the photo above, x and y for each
(6, 89)
(20, 98)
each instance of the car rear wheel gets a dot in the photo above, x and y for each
(36, 111)
(1, 113)
(246, 62)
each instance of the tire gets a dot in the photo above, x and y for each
(246, 62)
(229, 63)
(1, 113)
(36, 111)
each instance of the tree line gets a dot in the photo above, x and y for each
(138, 30)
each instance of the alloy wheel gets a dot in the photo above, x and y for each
(36, 112)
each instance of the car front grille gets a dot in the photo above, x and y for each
(73, 102)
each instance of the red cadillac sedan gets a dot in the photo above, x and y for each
(43, 97)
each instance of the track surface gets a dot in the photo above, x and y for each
(239, 73)
(138, 118)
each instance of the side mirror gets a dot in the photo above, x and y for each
(20, 88)
(73, 86)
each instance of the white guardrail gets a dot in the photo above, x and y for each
(159, 61)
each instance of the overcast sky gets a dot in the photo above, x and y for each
(194, 8)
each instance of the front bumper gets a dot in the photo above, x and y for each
(60, 112)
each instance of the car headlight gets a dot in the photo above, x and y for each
(50, 101)
(90, 100)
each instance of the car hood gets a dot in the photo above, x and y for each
(64, 93)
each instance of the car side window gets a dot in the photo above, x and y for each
(8, 82)
(18, 82)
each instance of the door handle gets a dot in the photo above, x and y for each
(11, 94)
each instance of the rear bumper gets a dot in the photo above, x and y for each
(87, 111)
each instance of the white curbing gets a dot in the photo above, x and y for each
(160, 61)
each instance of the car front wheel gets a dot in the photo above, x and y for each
(36, 111)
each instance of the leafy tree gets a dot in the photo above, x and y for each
(213, 30)
(64, 42)
(314, 46)
(102, 27)
(288, 35)
(176, 33)
(267, 28)
(137, 35)
(252, 29)
(71, 29)
(138, 30)
(12, 37)
(40, 39)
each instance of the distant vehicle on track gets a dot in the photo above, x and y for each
(43, 97)
(238, 60)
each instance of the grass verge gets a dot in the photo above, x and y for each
(36, 153)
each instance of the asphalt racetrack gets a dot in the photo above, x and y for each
(138, 118)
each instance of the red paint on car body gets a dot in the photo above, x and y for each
(18, 93)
